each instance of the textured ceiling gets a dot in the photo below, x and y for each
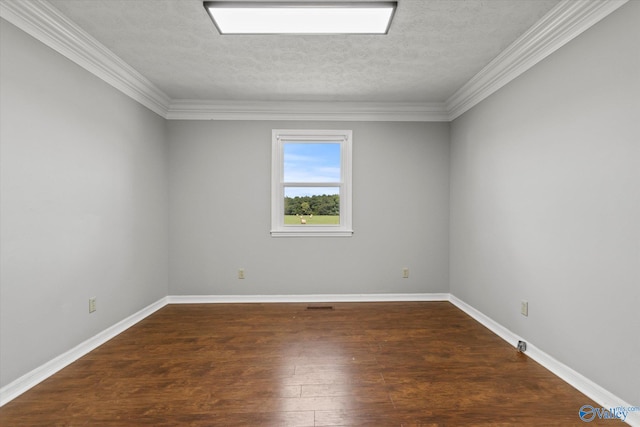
(432, 49)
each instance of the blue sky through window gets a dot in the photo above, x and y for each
(311, 162)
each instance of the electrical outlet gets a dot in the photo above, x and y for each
(524, 308)
(241, 273)
(522, 346)
(405, 273)
(92, 304)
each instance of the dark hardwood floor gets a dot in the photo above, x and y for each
(358, 364)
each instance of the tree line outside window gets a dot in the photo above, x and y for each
(312, 205)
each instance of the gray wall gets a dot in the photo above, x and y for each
(220, 213)
(83, 205)
(545, 204)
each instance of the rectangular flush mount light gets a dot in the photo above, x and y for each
(297, 17)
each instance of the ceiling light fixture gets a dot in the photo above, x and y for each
(289, 17)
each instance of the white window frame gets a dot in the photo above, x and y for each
(279, 138)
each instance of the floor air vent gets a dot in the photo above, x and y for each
(320, 307)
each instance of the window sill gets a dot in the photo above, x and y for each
(311, 233)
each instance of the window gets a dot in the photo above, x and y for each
(311, 183)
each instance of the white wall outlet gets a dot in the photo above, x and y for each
(241, 273)
(524, 308)
(92, 304)
(405, 273)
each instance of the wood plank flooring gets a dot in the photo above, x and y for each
(359, 364)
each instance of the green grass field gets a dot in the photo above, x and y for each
(315, 220)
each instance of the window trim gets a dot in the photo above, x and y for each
(281, 136)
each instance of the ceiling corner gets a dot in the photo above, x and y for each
(558, 27)
(43, 22)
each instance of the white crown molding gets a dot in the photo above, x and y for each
(558, 27)
(568, 375)
(562, 24)
(291, 110)
(41, 373)
(311, 298)
(43, 22)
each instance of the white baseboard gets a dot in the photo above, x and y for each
(229, 299)
(41, 373)
(239, 299)
(578, 381)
